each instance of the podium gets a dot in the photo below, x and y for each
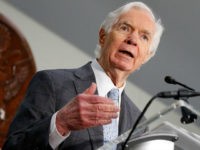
(153, 141)
(165, 136)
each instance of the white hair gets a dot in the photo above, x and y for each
(113, 17)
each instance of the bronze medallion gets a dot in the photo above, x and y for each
(17, 68)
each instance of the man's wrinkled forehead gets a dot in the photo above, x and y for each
(149, 24)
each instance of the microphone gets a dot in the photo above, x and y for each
(171, 80)
(182, 93)
(187, 115)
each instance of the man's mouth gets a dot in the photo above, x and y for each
(128, 53)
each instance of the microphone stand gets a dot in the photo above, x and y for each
(138, 120)
(187, 115)
(144, 124)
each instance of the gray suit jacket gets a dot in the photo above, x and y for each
(48, 91)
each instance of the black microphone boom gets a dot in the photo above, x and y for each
(187, 115)
(171, 80)
(182, 93)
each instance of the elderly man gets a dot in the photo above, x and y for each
(77, 108)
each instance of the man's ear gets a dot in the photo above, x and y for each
(102, 36)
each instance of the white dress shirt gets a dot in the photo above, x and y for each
(104, 85)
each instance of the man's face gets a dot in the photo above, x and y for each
(126, 46)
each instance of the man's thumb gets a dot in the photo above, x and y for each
(91, 90)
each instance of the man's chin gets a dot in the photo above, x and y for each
(126, 68)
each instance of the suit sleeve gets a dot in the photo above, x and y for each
(30, 127)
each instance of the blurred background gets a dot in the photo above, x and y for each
(64, 34)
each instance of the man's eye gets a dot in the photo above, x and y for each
(145, 37)
(125, 28)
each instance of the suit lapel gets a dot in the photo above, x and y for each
(124, 114)
(85, 77)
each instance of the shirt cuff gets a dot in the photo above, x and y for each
(55, 138)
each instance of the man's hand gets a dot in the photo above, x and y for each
(86, 110)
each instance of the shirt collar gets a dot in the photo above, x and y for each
(103, 81)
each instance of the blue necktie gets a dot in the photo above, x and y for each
(111, 130)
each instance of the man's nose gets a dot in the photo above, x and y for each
(132, 38)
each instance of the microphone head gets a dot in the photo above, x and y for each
(170, 80)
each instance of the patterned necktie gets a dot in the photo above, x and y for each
(111, 130)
